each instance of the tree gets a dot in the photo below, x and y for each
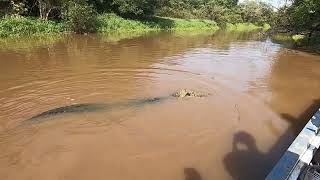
(80, 17)
(18, 7)
(46, 6)
(302, 16)
(134, 7)
(253, 12)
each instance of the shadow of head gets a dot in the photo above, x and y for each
(243, 141)
(191, 174)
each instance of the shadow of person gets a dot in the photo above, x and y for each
(245, 161)
(191, 174)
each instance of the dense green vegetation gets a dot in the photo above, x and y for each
(245, 27)
(111, 23)
(302, 16)
(82, 16)
(220, 11)
(22, 26)
(300, 21)
(105, 23)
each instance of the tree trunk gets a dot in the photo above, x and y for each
(44, 9)
(41, 8)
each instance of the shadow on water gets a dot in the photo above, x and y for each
(191, 174)
(246, 162)
(255, 164)
(245, 151)
(298, 123)
(308, 45)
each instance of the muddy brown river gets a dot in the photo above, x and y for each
(261, 94)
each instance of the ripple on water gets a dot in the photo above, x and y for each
(248, 79)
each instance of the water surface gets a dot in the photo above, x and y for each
(261, 95)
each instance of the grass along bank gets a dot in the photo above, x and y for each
(246, 27)
(299, 41)
(27, 27)
(108, 23)
(111, 23)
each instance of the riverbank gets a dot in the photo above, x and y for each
(299, 41)
(111, 23)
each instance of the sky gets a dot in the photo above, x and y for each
(275, 3)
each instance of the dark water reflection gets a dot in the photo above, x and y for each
(262, 94)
